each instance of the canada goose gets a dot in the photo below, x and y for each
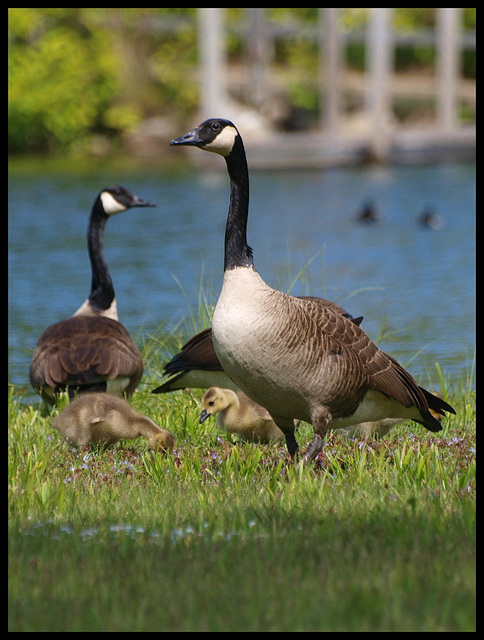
(91, 351)
(238, 414)
(105, 419)
(297, 358)
(196, 366)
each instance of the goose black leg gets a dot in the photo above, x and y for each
(292, 445)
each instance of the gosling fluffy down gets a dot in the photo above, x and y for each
(238, 414)
(104, 419)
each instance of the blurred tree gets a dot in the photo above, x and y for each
(61, 78)
(75, 73)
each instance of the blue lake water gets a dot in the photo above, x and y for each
(416, 285)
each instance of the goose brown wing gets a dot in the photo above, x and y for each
(381, 371)
(81, 348)
(387, 376)
(327, 304)
(197, 353)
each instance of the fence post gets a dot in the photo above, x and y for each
(331, 69)
(448, 49)
(258, 56)
(379, 64)
(212, 53)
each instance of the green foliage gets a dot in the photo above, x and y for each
(60, 78)
(74, 73)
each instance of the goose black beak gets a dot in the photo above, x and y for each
(190, 138)
(139, 202)
(204, 415)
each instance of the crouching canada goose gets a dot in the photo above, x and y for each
(105, 419)
(238, 414)
(196, 366)
(297, 358)
(91, 351)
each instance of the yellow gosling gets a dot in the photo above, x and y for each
(238, 414)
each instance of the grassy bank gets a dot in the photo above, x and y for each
(226, 536)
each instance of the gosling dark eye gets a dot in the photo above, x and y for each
(211, 403)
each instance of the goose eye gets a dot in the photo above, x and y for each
(215, 126)
(211, 403)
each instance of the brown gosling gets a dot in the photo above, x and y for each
(103, 419)
(238, 414)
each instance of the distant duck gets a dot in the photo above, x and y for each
(91, 351)
(103, 419)
(431, 219)
(238, 414)
(297, 358)
(196, 366)
(368, 213)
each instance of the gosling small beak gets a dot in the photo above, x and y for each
(204, 415)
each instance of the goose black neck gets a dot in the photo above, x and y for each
(237, 252)
(102, 290)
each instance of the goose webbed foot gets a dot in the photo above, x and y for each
(313, 450)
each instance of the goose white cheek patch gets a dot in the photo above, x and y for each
(110, 204)
(224, 142)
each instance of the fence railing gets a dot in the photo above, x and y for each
(380, 39)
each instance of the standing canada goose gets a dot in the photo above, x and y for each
(105, 419)
(238, 414)
(91, 351)
(196, 366)
(297, 358)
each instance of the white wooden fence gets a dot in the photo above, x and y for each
(380, 139)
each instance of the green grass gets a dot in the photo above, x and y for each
(225, 536)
